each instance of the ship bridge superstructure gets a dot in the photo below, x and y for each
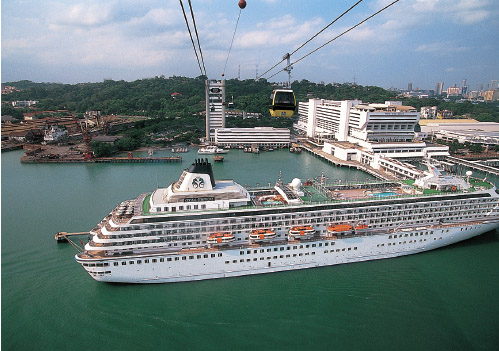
(197, 189)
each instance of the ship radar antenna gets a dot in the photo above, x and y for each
(468, 175)
(279, 180)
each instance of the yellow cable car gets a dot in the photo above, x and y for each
(282, 103)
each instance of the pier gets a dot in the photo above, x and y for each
(62, 237)
(35, 159)
(138, 159)
(378, 174)
(474, 165)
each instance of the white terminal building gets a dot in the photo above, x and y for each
(485, 133)
(216, 133)
(258, 136)
(367, 133)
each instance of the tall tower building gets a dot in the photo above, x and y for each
(409, 86)
(215, 107)
(493, 84)
(439, 88)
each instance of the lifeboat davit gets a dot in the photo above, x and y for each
(361, 228)
(301, 232)
(262, 234)
(335, 229)
(220, 238)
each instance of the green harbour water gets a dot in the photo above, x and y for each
(445, 299)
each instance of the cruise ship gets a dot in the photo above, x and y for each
(201, 228)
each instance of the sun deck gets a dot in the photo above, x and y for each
(316, 193)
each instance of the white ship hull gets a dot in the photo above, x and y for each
(167, 235)
(282, 256)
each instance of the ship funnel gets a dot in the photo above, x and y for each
(202, 166)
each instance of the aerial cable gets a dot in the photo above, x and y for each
(339, 35)
(326, 27)
(190, 34)
(230, 48)
(315, 35)
(348, 30)
(197, 36)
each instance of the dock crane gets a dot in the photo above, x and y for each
(83, 128)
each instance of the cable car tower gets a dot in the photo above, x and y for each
(288, 68)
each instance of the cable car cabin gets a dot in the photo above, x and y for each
(230, 106)
(282, 103)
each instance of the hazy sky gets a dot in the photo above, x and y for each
(418, 41)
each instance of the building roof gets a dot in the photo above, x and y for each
(7, 118)
(20, 134)
(464, 128)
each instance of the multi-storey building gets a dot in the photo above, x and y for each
(215, 107)
(439, 88)
(356, 122)
(387, 130)
(491, 95)
(429, 112)
(453, 91)
(54, 133)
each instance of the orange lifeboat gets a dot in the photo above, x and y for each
(361, 227)
(220, 238)
(301, 232)
(262, 234)
(339, 229)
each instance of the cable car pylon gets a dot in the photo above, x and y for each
(288, 68)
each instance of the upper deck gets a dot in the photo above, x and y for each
(315, 192)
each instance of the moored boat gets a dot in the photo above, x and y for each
(212, 150)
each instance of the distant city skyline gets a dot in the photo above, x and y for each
(420, 42)
(441, 86)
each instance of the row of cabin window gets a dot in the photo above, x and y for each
(411, 234)
(188, 207)
(153, 260)
(282, 248)
(319, 210)
(181, 208)
(269, 258)
(100, 273)
(335, 214)
(404, 242)
(339, 250)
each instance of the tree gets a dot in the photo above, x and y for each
(127, 144)
(102, 149)
(16, 113)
